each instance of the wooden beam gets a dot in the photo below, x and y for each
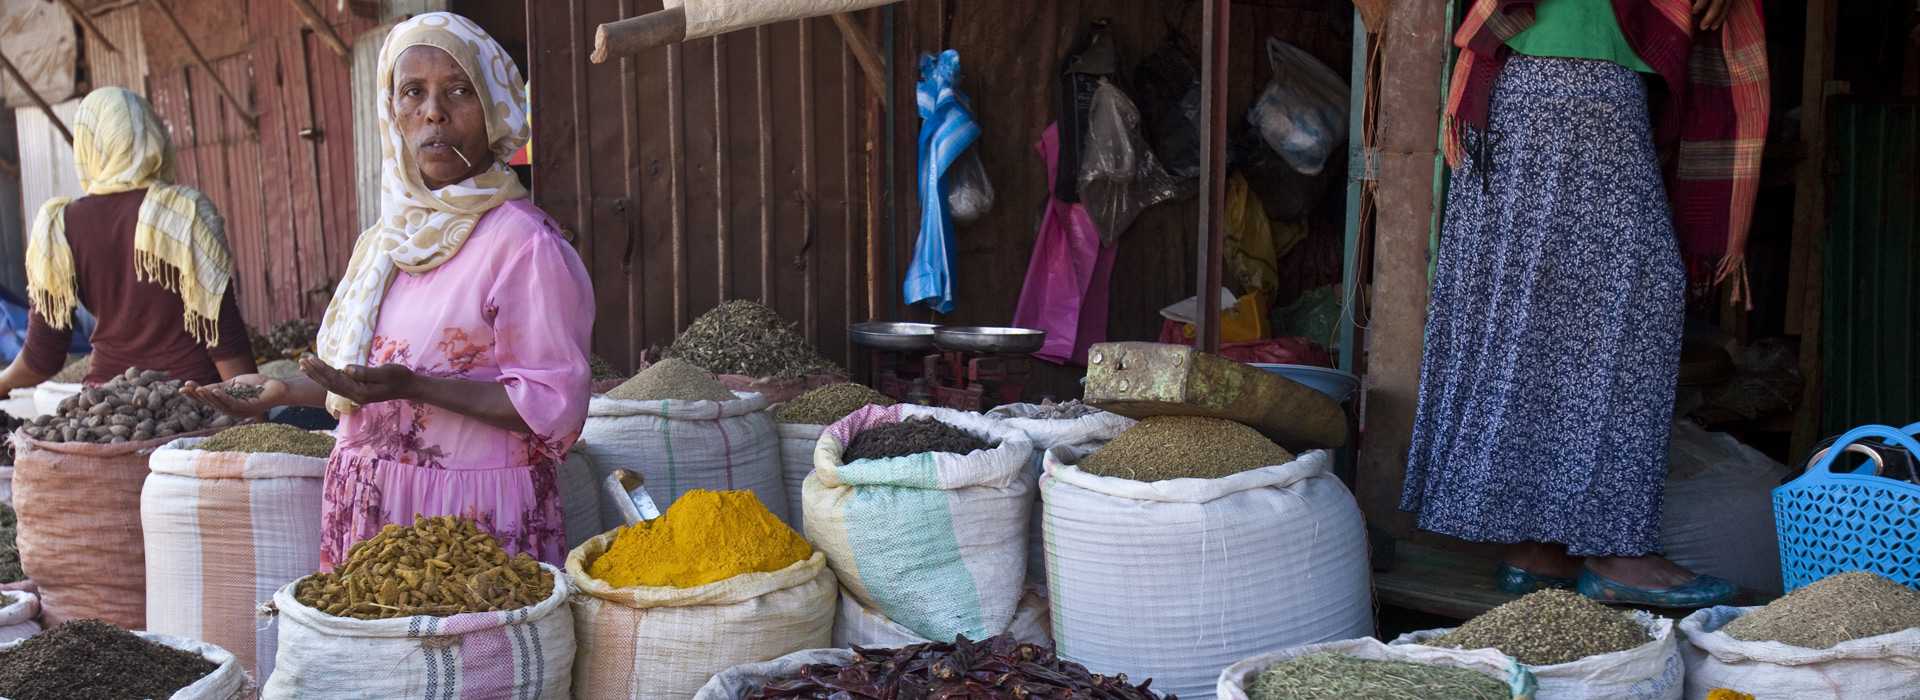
(313, 19)
(252, 120)
(1214, 39)
(1810, 220)
(863, 50)
(45, 108)
(86, 22)
(635, 34)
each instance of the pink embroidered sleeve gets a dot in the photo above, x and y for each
(541, 307)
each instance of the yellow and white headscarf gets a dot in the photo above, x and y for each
(419, 229)
(179, 240)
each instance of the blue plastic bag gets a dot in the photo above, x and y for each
(947, 129)
(13, 327)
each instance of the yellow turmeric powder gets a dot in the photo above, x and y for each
(1724, 694)
(706, 536)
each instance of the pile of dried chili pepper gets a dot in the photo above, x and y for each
(996, 668)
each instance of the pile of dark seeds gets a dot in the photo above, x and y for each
(271, 438)
(1835, 609)
(672, 380)
(136, 406)
(997, 668)
(91, 660)
(748, 339)
(911, 437)
(1340, 677)
(827, 404)
(243, 392)
(1549, 627)
(1184, 447)
(10, 570)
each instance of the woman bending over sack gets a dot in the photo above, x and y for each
(455, 348)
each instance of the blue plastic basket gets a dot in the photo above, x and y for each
(1834, 522)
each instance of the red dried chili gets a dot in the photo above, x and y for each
(996, 668)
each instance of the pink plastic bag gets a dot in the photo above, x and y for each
(1068, 278)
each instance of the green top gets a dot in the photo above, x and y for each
(1577, 29)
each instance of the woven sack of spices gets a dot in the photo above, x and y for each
(1651, 671)
(797, 443)
(935, 541)
(224, 530)
(1083, 435)
(79, 527)
(580, 490)
(664, 642)
(19, 611)
(227, 681)
(1886, 666)
(856, 625)
(1717, 514)
(1214, 570)
(1233, 682)
(522, 653)
(680, 446)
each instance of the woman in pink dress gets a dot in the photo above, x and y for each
(455, 348)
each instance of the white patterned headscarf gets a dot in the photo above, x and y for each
(419, 229)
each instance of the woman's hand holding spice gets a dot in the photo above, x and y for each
(252, 395)
(484, 401)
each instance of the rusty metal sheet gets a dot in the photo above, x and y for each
(1140, 380)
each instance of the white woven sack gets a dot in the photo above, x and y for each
(797, 442)
(857, 625)
(227, 681)
(742, 680)
(524, 653)
(18, 616)
(581, 487)
(660, 642)
(680, 446)
(47, 396)
(1651, 671)
(1887, 666)
(1176, 580)
(936, 542)
(1232, 684)
(1082, 435)
(1718, 514)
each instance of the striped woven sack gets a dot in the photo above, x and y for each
(936, 542)
(518, 654)
(680, 446)
(224, 530)
(797, 441)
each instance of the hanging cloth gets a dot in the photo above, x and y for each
(1065, 293)
(947, 129)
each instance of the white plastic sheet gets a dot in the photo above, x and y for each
(709, 17)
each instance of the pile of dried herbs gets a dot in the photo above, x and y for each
(75, 370)
(827, 404)
(1340, 677)
(672, 380)
(911, 437)
(10, 570)
(270, 438)
(1184, 447)
(287, 340)
(745, 338)
(997, 668)
(602, 369)
(1835, 609)
(92, 659)
(1549, 627)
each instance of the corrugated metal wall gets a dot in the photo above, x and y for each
(1871, 315)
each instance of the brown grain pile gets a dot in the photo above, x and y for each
(672, 380)
(1184, 447)
(911, 437)
(134, 407)
(1835, 609)
(745, 338)
(827, 404)
(92, 660)
(75, 371)
(438, 566)
(1549, 627)
(272, 438)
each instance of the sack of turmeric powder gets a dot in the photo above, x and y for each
(661, 642)
(680, 446)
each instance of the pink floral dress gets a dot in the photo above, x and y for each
(514, 306)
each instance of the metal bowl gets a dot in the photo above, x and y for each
(883, 335)
(987, 339)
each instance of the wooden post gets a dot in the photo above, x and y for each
(86, 22)
(311, 16)
(869, 57)
(635, 34)
(1810, 221)
(45, 108)
(252, 120)
(1213, 176)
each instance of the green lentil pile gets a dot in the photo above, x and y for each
(1327, 676)
(1549, 627)
(911, 437)
(745, 338)
(10, 570)
(75, 371)
(672, 380)
(1835, 609)
(827, 404)
(270, 437)
(1184, 447)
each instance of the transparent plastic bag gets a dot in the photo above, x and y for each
(1119, 176)
(969, 192)
(1302, 114)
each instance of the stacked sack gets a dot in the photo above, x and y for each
(1080, 429)
(802, 420)
(717, 581)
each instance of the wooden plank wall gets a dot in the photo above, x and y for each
(127, 67)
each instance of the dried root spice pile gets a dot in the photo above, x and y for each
(1835, 609)
(745, 338)
(92, 660)
(1341, 677)
(75, 371)
(1184, 447)
(270, 437)
(438, 566)
(828, 404)
(10, 570)
(997, 668)
(136, 406)
(1549, 627)
(911, 437)
(672, 380)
